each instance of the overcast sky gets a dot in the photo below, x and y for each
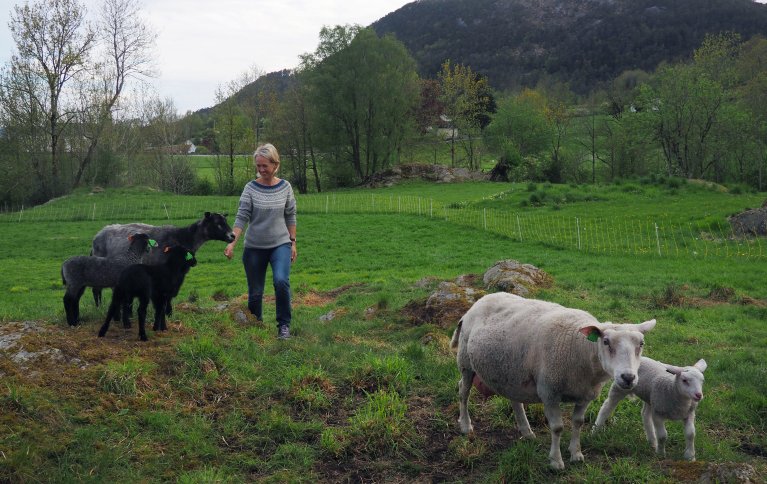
(204, 43)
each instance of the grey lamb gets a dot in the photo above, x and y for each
(83, 271)
(669, 393)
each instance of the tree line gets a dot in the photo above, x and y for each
(352, 108)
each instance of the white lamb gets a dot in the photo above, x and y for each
(535, 351)
(669, 393)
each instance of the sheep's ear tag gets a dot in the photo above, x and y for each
(189, 256)
(152, 243)
(593, 335)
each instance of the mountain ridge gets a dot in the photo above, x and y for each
(583, 43)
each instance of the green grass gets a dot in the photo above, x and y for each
(368, 395)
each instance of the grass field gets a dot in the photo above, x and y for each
(370, 394)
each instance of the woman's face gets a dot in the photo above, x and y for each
(265, 167)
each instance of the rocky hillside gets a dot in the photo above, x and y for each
(580, 42)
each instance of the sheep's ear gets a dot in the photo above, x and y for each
(646, 326)
(701, 365)
(207, 214)
(130, 238)
(592, 333)
(674, 370)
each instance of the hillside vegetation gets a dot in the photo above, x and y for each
(581, 43)
(364, 391)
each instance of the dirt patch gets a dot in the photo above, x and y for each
(446, 314)
(708, 472)
(677, 296)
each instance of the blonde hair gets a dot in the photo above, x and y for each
(268, 151)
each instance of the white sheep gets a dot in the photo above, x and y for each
(669, 393)
(535, 351)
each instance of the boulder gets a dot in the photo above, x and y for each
(750, 222)
(515, 277)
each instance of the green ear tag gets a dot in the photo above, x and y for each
(152, 243)
(189, 256)
(593, 336)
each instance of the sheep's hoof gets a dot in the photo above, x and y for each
(577, 457)
(557, 464)
(466, 429)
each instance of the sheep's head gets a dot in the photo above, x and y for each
(180, 257)
(689, 379)
(216, 227)
(141, 241)
(619, 349)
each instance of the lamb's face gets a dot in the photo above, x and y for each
(619, 347)
(689, 380)
(690, 383)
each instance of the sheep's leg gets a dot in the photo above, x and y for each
(464, 388)
(522, 424)
(579, 414)
(660, 431)
(96, 295)
(71, 307)
(160, 305)
(141, 313)
(126, 314)
(649, 427)
(110, 315)
(554, 416)
(689, 437)
(608, 407)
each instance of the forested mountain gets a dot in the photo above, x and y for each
(580, 42)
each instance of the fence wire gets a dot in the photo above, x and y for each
(618, 235)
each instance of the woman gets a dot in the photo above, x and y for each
(268, 209)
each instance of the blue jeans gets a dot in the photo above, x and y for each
(255, 262)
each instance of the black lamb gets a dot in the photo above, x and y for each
(83, 271)
(158, 283)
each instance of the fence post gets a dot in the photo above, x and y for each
(21, 212)
(167, 215)
(657, 239)
(578, 228)
(484, 219)
(93, 213)
(431, 207)
(327, 203)
(519, 228)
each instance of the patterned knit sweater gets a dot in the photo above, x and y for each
(267, 212)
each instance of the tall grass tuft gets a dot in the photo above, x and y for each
(123, 378)
(381, 427)
(392, 373)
